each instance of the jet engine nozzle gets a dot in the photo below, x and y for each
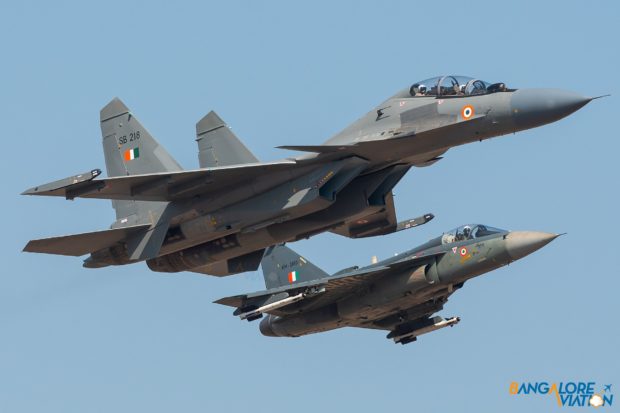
(518, 244)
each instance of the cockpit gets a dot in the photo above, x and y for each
(454, 86)
(467, 232)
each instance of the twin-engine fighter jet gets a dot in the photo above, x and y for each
(400, 294)
(219, 219)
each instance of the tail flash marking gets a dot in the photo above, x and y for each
(292, 277)
(131, 154)
(282, 266)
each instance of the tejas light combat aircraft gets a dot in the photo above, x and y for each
(399, 295)
(219, 219)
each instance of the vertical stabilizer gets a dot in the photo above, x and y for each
(283, 266)
(129, 149)
(218, 145)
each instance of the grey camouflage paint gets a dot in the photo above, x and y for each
(219, 219)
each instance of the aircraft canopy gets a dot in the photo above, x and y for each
(454, 86)
(465, 232)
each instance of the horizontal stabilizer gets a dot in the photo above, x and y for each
(167, 186)
(76, 182)
(81, 244)
(317, 148)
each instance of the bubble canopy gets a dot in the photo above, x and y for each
(454, 86)
(471, 231)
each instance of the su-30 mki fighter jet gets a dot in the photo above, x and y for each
(400, 294)
(219, 219)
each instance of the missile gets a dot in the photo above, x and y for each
(258, 312)
(446, 322)
(411, 223)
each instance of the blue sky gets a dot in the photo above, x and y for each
(126, 339)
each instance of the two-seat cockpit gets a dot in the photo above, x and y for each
(454, 86)
(467, 232)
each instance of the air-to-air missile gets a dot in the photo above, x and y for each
(400, 294)
(219, 219)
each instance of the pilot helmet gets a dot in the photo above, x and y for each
(467, 231)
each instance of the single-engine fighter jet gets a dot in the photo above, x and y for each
(219, 219)
(400, 294)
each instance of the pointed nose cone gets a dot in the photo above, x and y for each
(522, 243)
(536, 107)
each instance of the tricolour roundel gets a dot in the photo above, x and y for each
(463, 251)
(467, 112)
